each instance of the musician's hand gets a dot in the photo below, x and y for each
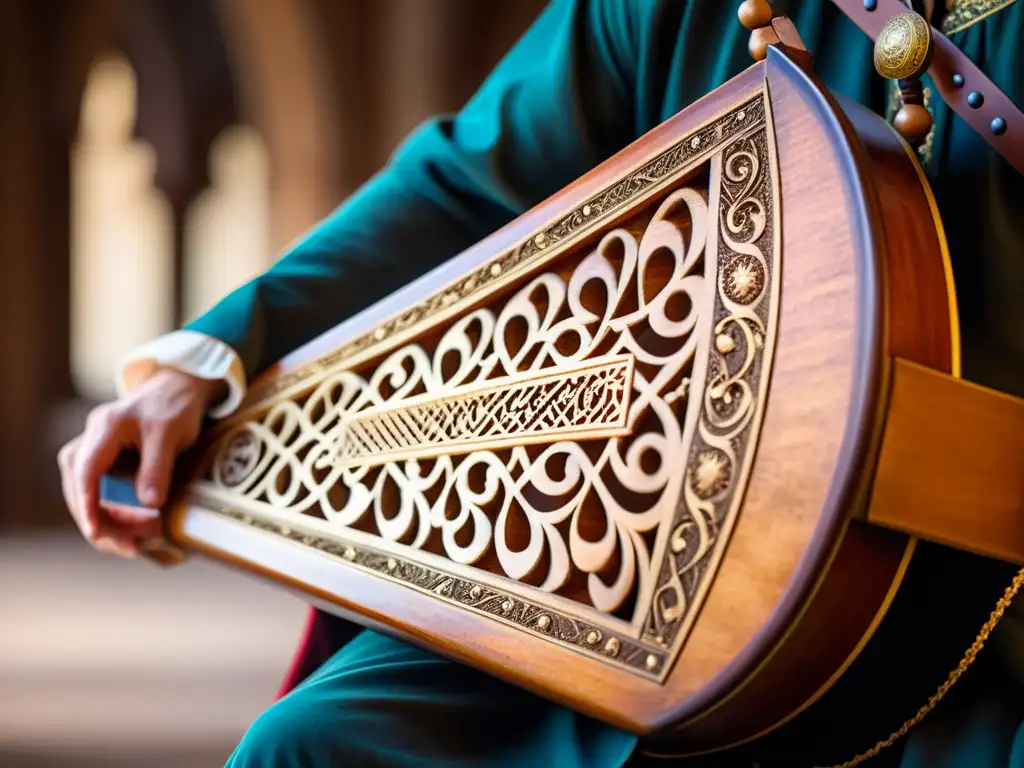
(159, 419)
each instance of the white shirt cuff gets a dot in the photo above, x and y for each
(190, 352)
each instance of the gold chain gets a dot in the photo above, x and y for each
(956, 674)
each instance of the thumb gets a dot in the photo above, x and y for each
(158, 453)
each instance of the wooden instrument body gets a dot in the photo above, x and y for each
(819, 213)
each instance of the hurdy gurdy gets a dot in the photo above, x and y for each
(670, 448)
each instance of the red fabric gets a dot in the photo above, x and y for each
(322, 637)
(308, 656)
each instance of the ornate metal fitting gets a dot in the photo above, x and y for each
(903, 50)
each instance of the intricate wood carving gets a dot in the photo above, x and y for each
(561, 440)
(581, 402)
(721, 450)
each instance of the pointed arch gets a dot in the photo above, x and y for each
(227, 232)
(122, 246)
(282, 71)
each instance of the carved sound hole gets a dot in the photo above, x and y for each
(538, 437)
(583, 429)
(239, 459)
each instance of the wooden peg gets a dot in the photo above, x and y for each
(789, 38)
(913, 122)
(755, 13)
(903, 52)
(760, 39)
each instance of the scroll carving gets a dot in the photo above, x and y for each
(722, 447)
(342, 435)
(569, 454)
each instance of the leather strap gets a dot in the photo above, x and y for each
(947, 61)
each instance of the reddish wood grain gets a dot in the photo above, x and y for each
(857, 238)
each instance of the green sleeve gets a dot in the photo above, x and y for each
(558, 104)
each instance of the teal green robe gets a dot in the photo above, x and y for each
(589, 77)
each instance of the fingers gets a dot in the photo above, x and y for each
(159, 419)
(130, 515)
(107, 433)
(159, 450)
(66, 461)
(114, 540)
(109, 538)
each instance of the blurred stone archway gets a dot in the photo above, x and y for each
(282, 74)
(331, 86)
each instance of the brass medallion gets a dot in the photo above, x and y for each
(903, 49)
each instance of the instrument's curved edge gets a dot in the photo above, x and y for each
(302, 364)
(955, 336)
(702, 710)
(920, 324)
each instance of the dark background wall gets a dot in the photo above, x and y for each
(113, 663)
(331, 86)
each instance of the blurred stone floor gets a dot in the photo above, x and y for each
(115, 664)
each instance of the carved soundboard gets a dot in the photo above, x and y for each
(559, 440)
(622, 454)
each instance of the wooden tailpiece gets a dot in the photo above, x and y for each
(951, 467)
